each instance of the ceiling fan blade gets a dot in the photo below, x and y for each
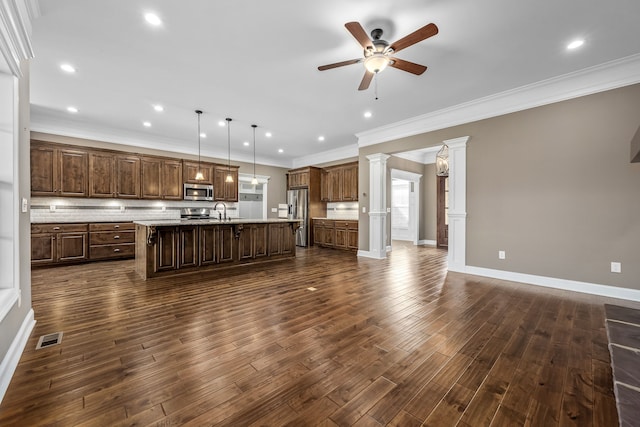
(366, 80)
(360, 34)
(423, 33)
(339, 64)
(410, 67)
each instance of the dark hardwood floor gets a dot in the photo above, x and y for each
(380, 342)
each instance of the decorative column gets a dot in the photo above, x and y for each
(378, 205)
(457, 203)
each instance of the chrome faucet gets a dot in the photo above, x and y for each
(215, 208)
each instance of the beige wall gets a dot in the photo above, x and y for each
(277, 188)
(552, 186)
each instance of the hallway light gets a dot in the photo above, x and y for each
(442, 161)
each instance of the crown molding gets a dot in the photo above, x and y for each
(15, 32)
(599, 78)
(326, 156)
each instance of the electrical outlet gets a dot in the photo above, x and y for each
(502, 255)
(52, 208)
(616, 267)
(25, 205)
(274, 210)
(121, 208)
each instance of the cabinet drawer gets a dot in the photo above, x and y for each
(111, 237)
(57, 228)
(325, 222)
(112, 251)
(112, 226)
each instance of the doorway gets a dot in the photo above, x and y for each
(405, 203)
(442, 215)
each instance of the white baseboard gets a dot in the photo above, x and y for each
(369, 254)
(11, 359)
(389, 248)
(550, 282)
(427, 242)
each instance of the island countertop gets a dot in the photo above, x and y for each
(212, 221)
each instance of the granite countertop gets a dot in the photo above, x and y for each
(170, 222)
(334, 219)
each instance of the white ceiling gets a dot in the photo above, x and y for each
(256, 62)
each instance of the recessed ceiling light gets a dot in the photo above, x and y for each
(203, 135)
(575, 44)
(146, 124)
(321, 138)
(72, 109)
(221, 123)
(68, 68)
(268, 134)
(246, 144)
(367, 114)
(153, 19)
(159, 108)
(280, 150)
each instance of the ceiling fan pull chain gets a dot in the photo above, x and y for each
(376, 85)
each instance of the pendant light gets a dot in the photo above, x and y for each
(254, 181)
(229, 177)
(199, 176)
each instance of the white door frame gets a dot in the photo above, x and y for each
(414, 201)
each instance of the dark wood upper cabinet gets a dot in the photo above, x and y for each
(191, 168)
(102, 168)
(223, 190)
(58, 171)
(127, 178)
(340, 183)
(161, 178)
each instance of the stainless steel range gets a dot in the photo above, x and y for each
(194, 213)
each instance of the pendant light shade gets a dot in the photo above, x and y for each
(254, 181)
(229, 176)
(199, 176)
(442, 161)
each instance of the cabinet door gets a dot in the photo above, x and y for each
(208, 244)
(127, 179)
(172, 180)
(73, 170)
(335, 185)
(275, 239)
(318, 235)
(350, 183)
(259, 234)
(231, 189)
(72, 246)
(188, 247)
(151, 178)
(227, 244)
(166, 253)
(245, 246)
(101, 175)
(190, 169)
(329, 236)
(324, 186)
(219, 175)
(352, 239)
(43, 171)
(43, 248)
(340, 238)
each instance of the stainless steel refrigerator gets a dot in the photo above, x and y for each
(298, 208)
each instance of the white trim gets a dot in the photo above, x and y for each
(8, 298)
(247, 177)
(457, 212)
(368, 254)
(15, 34)
(610, 75)
(550, 282)
(341, 153)
(378, 204)
(11, 359)
(405, 175)
(427, 242)
(389, 249)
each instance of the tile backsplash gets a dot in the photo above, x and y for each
(343, 210)
(68, 209)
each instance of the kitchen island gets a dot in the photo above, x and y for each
(167, 247)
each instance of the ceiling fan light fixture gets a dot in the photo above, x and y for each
(376, 62)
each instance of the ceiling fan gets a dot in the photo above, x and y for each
(379, 53)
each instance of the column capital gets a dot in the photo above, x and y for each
(378, 157)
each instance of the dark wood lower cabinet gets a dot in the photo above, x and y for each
(66, 243)
(171, 249)
(336, 234)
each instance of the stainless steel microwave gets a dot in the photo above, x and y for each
(200, 192)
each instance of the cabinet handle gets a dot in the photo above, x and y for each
(116, 250)
(116, 237)
(56, 228)
(116, 226)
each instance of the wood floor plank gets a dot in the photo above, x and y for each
(398, 341)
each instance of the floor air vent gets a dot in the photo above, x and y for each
(49, 340)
